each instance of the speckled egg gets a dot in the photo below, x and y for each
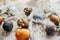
(23, 24)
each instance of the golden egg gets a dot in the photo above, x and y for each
(22, 34)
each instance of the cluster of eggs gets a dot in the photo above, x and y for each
(24, 33)
(54, 19)
(21, 34)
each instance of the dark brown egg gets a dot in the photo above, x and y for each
(22, 23)
(50, 31)
(27, 11)
(54, 19)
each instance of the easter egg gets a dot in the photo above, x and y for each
(54, 19)
(7, 26)
(22, 34)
